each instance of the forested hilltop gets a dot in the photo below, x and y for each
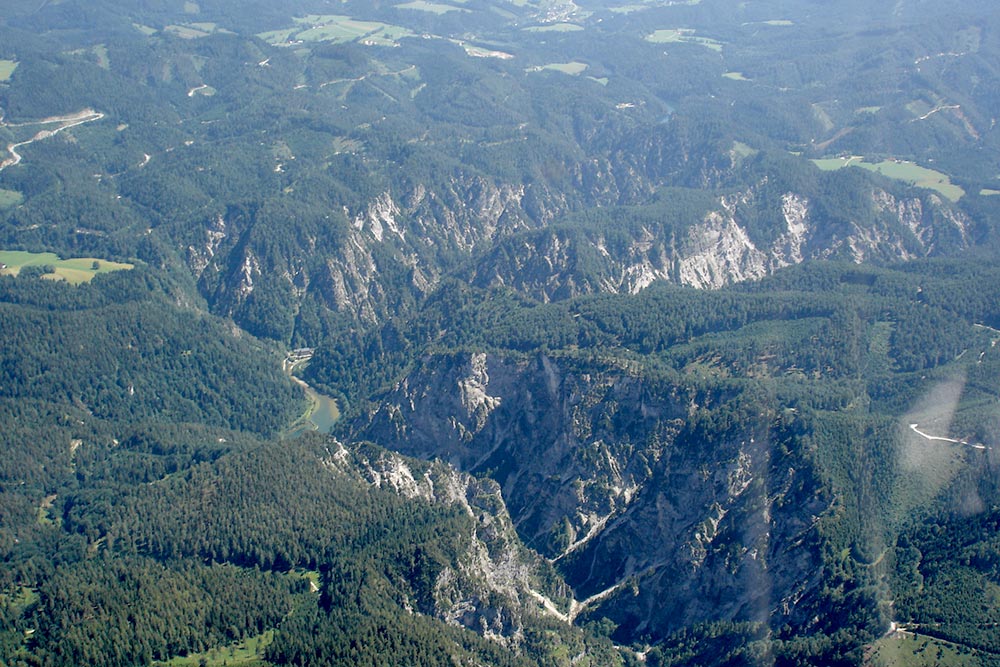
(661, 332)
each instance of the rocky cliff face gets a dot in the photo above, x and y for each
(744, 236)
(495, 586)
(359, 264)
(365, 260)
(659, 505)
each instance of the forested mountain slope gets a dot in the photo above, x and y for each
(686, 313)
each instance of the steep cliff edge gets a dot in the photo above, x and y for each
(741, 236)
(663, 505)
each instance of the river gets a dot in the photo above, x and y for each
(323, 411)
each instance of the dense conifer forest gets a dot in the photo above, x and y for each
(660, 333)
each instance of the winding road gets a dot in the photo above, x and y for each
(916, 429)
(63, 122)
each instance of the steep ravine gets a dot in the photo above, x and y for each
(661, 505)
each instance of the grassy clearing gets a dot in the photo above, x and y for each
(204, 90)
(741, 150)
(779, 22)
(868, 110)
(312, 576)
(899, 170)
(734, 76)
(44, 515)
(905, 649)
(186, 31)
(338, 29)
(572, 68)
(145, 29)
(985, 192)
(9, 198)
(191, 8)
(555, 27)
(74, 271)
(682, 36)
(195, 30)
(247, 653)
(918, 107)
(346, 145)
(20, 599)
(432, 7)
(98, 54)
(7, 68)
(628, 9)
(482, 52)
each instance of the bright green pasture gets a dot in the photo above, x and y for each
(735, 76)
(899, 170)
(7, 68)
(74, 271)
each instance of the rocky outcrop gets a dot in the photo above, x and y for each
(495, 586)
(744, 236)
(655, 514)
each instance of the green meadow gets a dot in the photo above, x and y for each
(682, 36)
(194, 30)
(572, 68)
(555, 27)
(338, 29)
(10, 198)
(432, 7)
(74, 271)
(7, 68)
(908, 172)
(247, 653)
(905, 649)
